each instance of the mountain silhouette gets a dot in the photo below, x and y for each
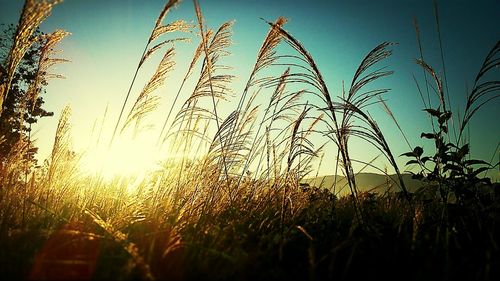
(371, 182)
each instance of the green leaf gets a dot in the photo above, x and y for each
(478, 171)
(451, 167)
(464, 150)
(476, 162)
(433, 112)
(445, 158)
(425, 159)
(445, 149)
(428, 135)
(418, 151)
(411, 162)
(451, 145)
(408, 154)
(444, 117)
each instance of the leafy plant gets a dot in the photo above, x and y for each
(451, 166)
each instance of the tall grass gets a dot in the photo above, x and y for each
(144, 103)
(33, 14)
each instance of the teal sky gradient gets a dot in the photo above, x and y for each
(108, 38)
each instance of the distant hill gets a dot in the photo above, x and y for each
(365, 182)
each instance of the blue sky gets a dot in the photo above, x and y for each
(108, 37)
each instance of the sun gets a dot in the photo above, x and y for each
(125, 157)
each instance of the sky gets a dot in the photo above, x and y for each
(108, 38)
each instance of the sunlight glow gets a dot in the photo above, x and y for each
(124, 158)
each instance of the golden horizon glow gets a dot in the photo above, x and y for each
(129, 156)
(125, 157)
